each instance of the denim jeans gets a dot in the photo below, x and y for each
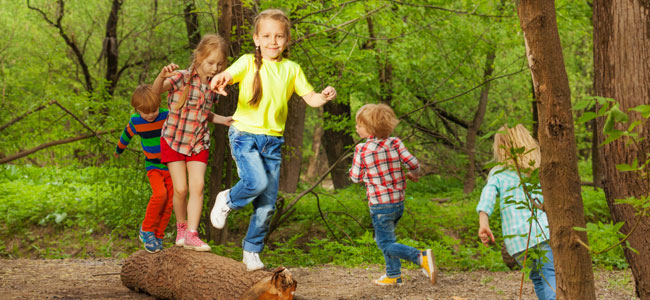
(384, 220)
(542, 272)
(258, 159)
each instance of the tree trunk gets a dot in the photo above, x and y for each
(220, 150)
(335, 143)
(176, 273)
(292, 149)
(111, 47)
(559, 167)
(622, 72)
(470, 142)
(313, 169)
(192, 24)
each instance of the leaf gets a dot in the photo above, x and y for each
(626, 168)
(586, 117)
(643, 109)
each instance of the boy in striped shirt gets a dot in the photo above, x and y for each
(378, 163)
(147, 122)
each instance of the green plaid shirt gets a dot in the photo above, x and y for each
(515, 218)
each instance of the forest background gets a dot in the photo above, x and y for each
(453, 71)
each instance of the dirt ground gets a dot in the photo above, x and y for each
(99, 279)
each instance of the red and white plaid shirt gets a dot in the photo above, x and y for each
(378, 163)
(186, 130)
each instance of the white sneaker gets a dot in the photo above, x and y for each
(220, 211)
(252, 261)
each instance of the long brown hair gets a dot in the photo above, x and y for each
(277, 15)
(208, 44)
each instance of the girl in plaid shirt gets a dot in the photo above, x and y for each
(185, 138)
(521, 232)
(267, 79)
(378, 163)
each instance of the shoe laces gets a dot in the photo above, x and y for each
(193, 238)
(254, 257)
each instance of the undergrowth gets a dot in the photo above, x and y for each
(68, 212)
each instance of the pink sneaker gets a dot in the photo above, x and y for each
(192, 241)
(180, 233)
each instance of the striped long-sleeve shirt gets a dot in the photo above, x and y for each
(378, 163)
(515, 218)
(149, 133)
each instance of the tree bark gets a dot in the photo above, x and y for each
(111, 50)
(470, 141)
(559, 168)
(622, 72)
(192, 24)
(176, 273)
(313, 169)
(292, 149)
(335, 143)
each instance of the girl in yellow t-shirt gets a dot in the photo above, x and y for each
(266, 81)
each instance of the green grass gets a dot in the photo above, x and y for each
(59, 212)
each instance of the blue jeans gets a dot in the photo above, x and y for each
(384, 220)
(258, 159)
(542, 272)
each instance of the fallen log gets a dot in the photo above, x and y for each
(177, 273)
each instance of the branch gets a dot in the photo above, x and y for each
(54, 143)
(296, 21)
(340, 25)
(68, 40)
(26, 114)
(463, 93)
(459, 12)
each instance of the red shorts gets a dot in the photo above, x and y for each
(167, 154)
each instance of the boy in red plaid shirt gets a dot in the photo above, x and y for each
(378, 163)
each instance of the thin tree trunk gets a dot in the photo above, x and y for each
(470, 142)
(559, 167)
(622, 72)
(192, 23)
(111, 50)
(315, 162)
(335, 143)
(292, 149)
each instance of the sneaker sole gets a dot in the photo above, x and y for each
(432, 266)
(214, 212)
(200, 248)
(388, 284)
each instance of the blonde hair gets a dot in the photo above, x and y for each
(144, 100)
(515, 138)
(208, 44)
(378, 119)
(277, 15)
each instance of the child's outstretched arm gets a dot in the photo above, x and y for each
(314, 99)
(220, 81)
(484, 232)
(160, 85)
(219, 119)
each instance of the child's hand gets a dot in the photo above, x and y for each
(412, 176)
(485, 234)
(116, 155)
(329, 93)
(219, 83)
(168, 70)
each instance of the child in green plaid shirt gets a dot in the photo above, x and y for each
(517, 224)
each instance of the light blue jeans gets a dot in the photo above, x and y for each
(542, 272)
(258, 159)
(384, 220)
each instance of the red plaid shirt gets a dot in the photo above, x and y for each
(186, 130)
(378, 163)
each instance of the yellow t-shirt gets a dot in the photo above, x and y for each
(279, 81)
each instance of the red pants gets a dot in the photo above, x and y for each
(159, 209)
